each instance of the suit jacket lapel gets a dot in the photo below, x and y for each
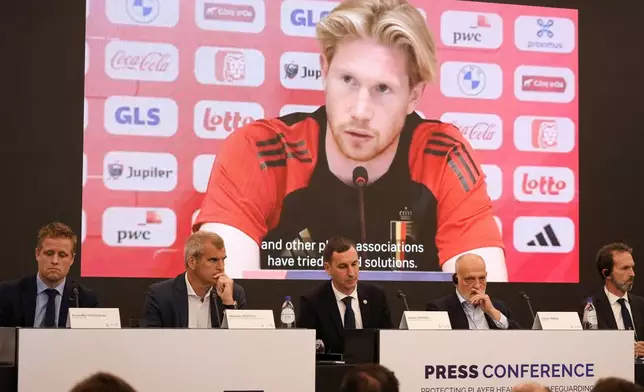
(604, 310)
(181, 301)
(456, 313)
(332, 307)
(28, 298)
(66, 302)
(365, 308)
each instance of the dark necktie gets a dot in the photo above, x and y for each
(349, 316)
(626, 315)
(50, 313)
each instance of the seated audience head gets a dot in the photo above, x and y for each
(342, 264)
(103, 382)
(205, 255)
(614, 384)
(370, 378)
(470, 276)
(530, 387)
(616, 267)
(55, 251)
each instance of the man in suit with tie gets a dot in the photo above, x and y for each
(342, 303)
(470, 307)
(197, 297)
(616, 307)
(44, 300)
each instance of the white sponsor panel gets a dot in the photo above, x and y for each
(534, 234)
(83, 226)
(471, 80)
(85, 114)
(544, 134)
(544, 34)
(229, 66)
(301, 71)
(544, 84)
(289, 109)
(141, 116)
(201, 169)
(483, 131)
(84, 169)
(86, 9)
(240, 16)
(218, 119)
(86, 58)
(139, 227)
(299, 18)
(140, 171)
(465, 29)
(494, 181)
(155, 13)
(145, 61)
(544, 184)
(427, 360)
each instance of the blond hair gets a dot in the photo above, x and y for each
(195, 243)
(56, 230)
(391, 22)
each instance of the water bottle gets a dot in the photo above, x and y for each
(287, 315)
(590, 315)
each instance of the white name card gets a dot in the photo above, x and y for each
(425, 320)
(248, 319)
(557, 321)
(94, 318)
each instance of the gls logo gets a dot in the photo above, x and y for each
(544, 184)
(139, 227)
(141, 116)
(299, 18)
(218, 119)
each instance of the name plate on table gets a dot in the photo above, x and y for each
(94, 318)
(557, 321)
(420, 320)
(248, 319)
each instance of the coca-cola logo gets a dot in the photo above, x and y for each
(477, 131)
(149, 62)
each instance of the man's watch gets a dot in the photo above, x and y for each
(233, 306)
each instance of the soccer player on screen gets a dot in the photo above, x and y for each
(290, 178)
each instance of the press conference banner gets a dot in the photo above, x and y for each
(168, 82)
(169, 360)
(494, 361)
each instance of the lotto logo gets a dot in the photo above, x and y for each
(544, 184)
(218, 119)
(229, 66)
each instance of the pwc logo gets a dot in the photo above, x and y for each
(543, 184)
(539, 234)
(140, 171)
(240, 16)
(544, 84)
(141, 116)
(139, 227)
(464, 29)
(157, 13)
(483, 131)
(146, 61)
(299, 18)
(544, 134)
(301, 71)
(493, 180)
(229, 66)
(201, 169)
(218, 119)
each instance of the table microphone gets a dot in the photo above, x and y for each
(360, 180)
(75, 291)
(402, 295)
(213, 297)
(527, 299)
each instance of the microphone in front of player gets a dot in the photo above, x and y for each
(360, 180)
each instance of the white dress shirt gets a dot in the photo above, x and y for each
(198, 310)
(617, 308)
(355, 305)
(476, 317)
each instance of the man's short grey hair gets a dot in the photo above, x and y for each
(195, 243)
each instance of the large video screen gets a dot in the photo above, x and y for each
(169, 84)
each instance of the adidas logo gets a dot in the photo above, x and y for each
(536, 234)
(540, 238)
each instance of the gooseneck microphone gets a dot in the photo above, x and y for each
(213, 299)
(527, 299)
(402, 295)
(360, 180)
(76, 300)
